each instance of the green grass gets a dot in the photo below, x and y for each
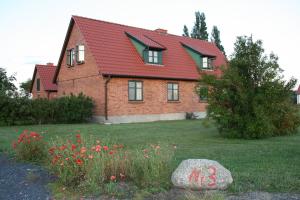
(271, 164)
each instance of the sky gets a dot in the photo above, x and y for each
(32, 31)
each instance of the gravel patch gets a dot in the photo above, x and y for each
(22, 181)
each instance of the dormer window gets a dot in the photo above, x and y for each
(80, 54)
(206, 63)
(153, 56)
(70, 57)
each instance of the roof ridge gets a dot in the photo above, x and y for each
(114, 23)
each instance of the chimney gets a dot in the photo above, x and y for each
(161, 31)
(50, 64)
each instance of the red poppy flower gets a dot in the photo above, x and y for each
(98, 148)
(83, 150)
(51, 150)
(111, 152)
(105, 148)
(112, 178)
(73, 146)
(14, 145)
(62, 147)
(79, 161)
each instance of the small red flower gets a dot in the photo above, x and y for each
(105, 148)
(79, 161)
(73, 146)
(98, 148)
(62, 147)
(111, 152)
(83, 150)
(14, 145)
(51, 150)
(91, 156)
(112, 178)
(78, 136)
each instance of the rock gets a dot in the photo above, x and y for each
(201, 174)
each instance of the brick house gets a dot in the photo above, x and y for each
(42, 85)
(134, 74)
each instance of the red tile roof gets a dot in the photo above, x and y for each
(46, 73)
(115, 54)
(146, 40)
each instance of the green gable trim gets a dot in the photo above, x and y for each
(140, 47)
(197, 57)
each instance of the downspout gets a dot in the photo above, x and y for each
(106, 97)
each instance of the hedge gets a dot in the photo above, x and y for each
(69, 109)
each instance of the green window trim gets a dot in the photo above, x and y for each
(38, 84)
(173, 92)
(199, 59)
(203, 93)
(152, 56)
(135, 90)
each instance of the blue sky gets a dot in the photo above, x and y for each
(32, 31)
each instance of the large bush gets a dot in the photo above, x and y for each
(251, 99)
(69, 109)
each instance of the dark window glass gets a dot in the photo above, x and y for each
(38, 84)
(173, 92)
(135, 90)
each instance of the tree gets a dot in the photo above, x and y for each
(7, 86)
(251, 99)
(203, 28)
(196, 29)
(185, 31)
(215, 38)
(199, 30)
(25, 88)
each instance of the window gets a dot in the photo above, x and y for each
(173, 93)
(203, 93)
(70, 57)
(135, 90)
(206, 63)
(152, 56)
(38, 84)
(80, 54)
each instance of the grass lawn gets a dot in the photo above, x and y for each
(271, 164)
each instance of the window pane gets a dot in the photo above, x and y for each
(155, 53)
(205, 65)
(131, 94)
(155, 60)
(170, 95)
(150, 59)
(175, 95)
(150, 53)
(131, 84)
(138, 94)
(81, 47)
(81, 56)
(138, 84)
(170, 86)
(175, 86)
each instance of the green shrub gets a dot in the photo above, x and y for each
(69, 109)
(30, 147)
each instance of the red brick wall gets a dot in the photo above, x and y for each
(38, 94)
(83, 78)
(154, 98)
